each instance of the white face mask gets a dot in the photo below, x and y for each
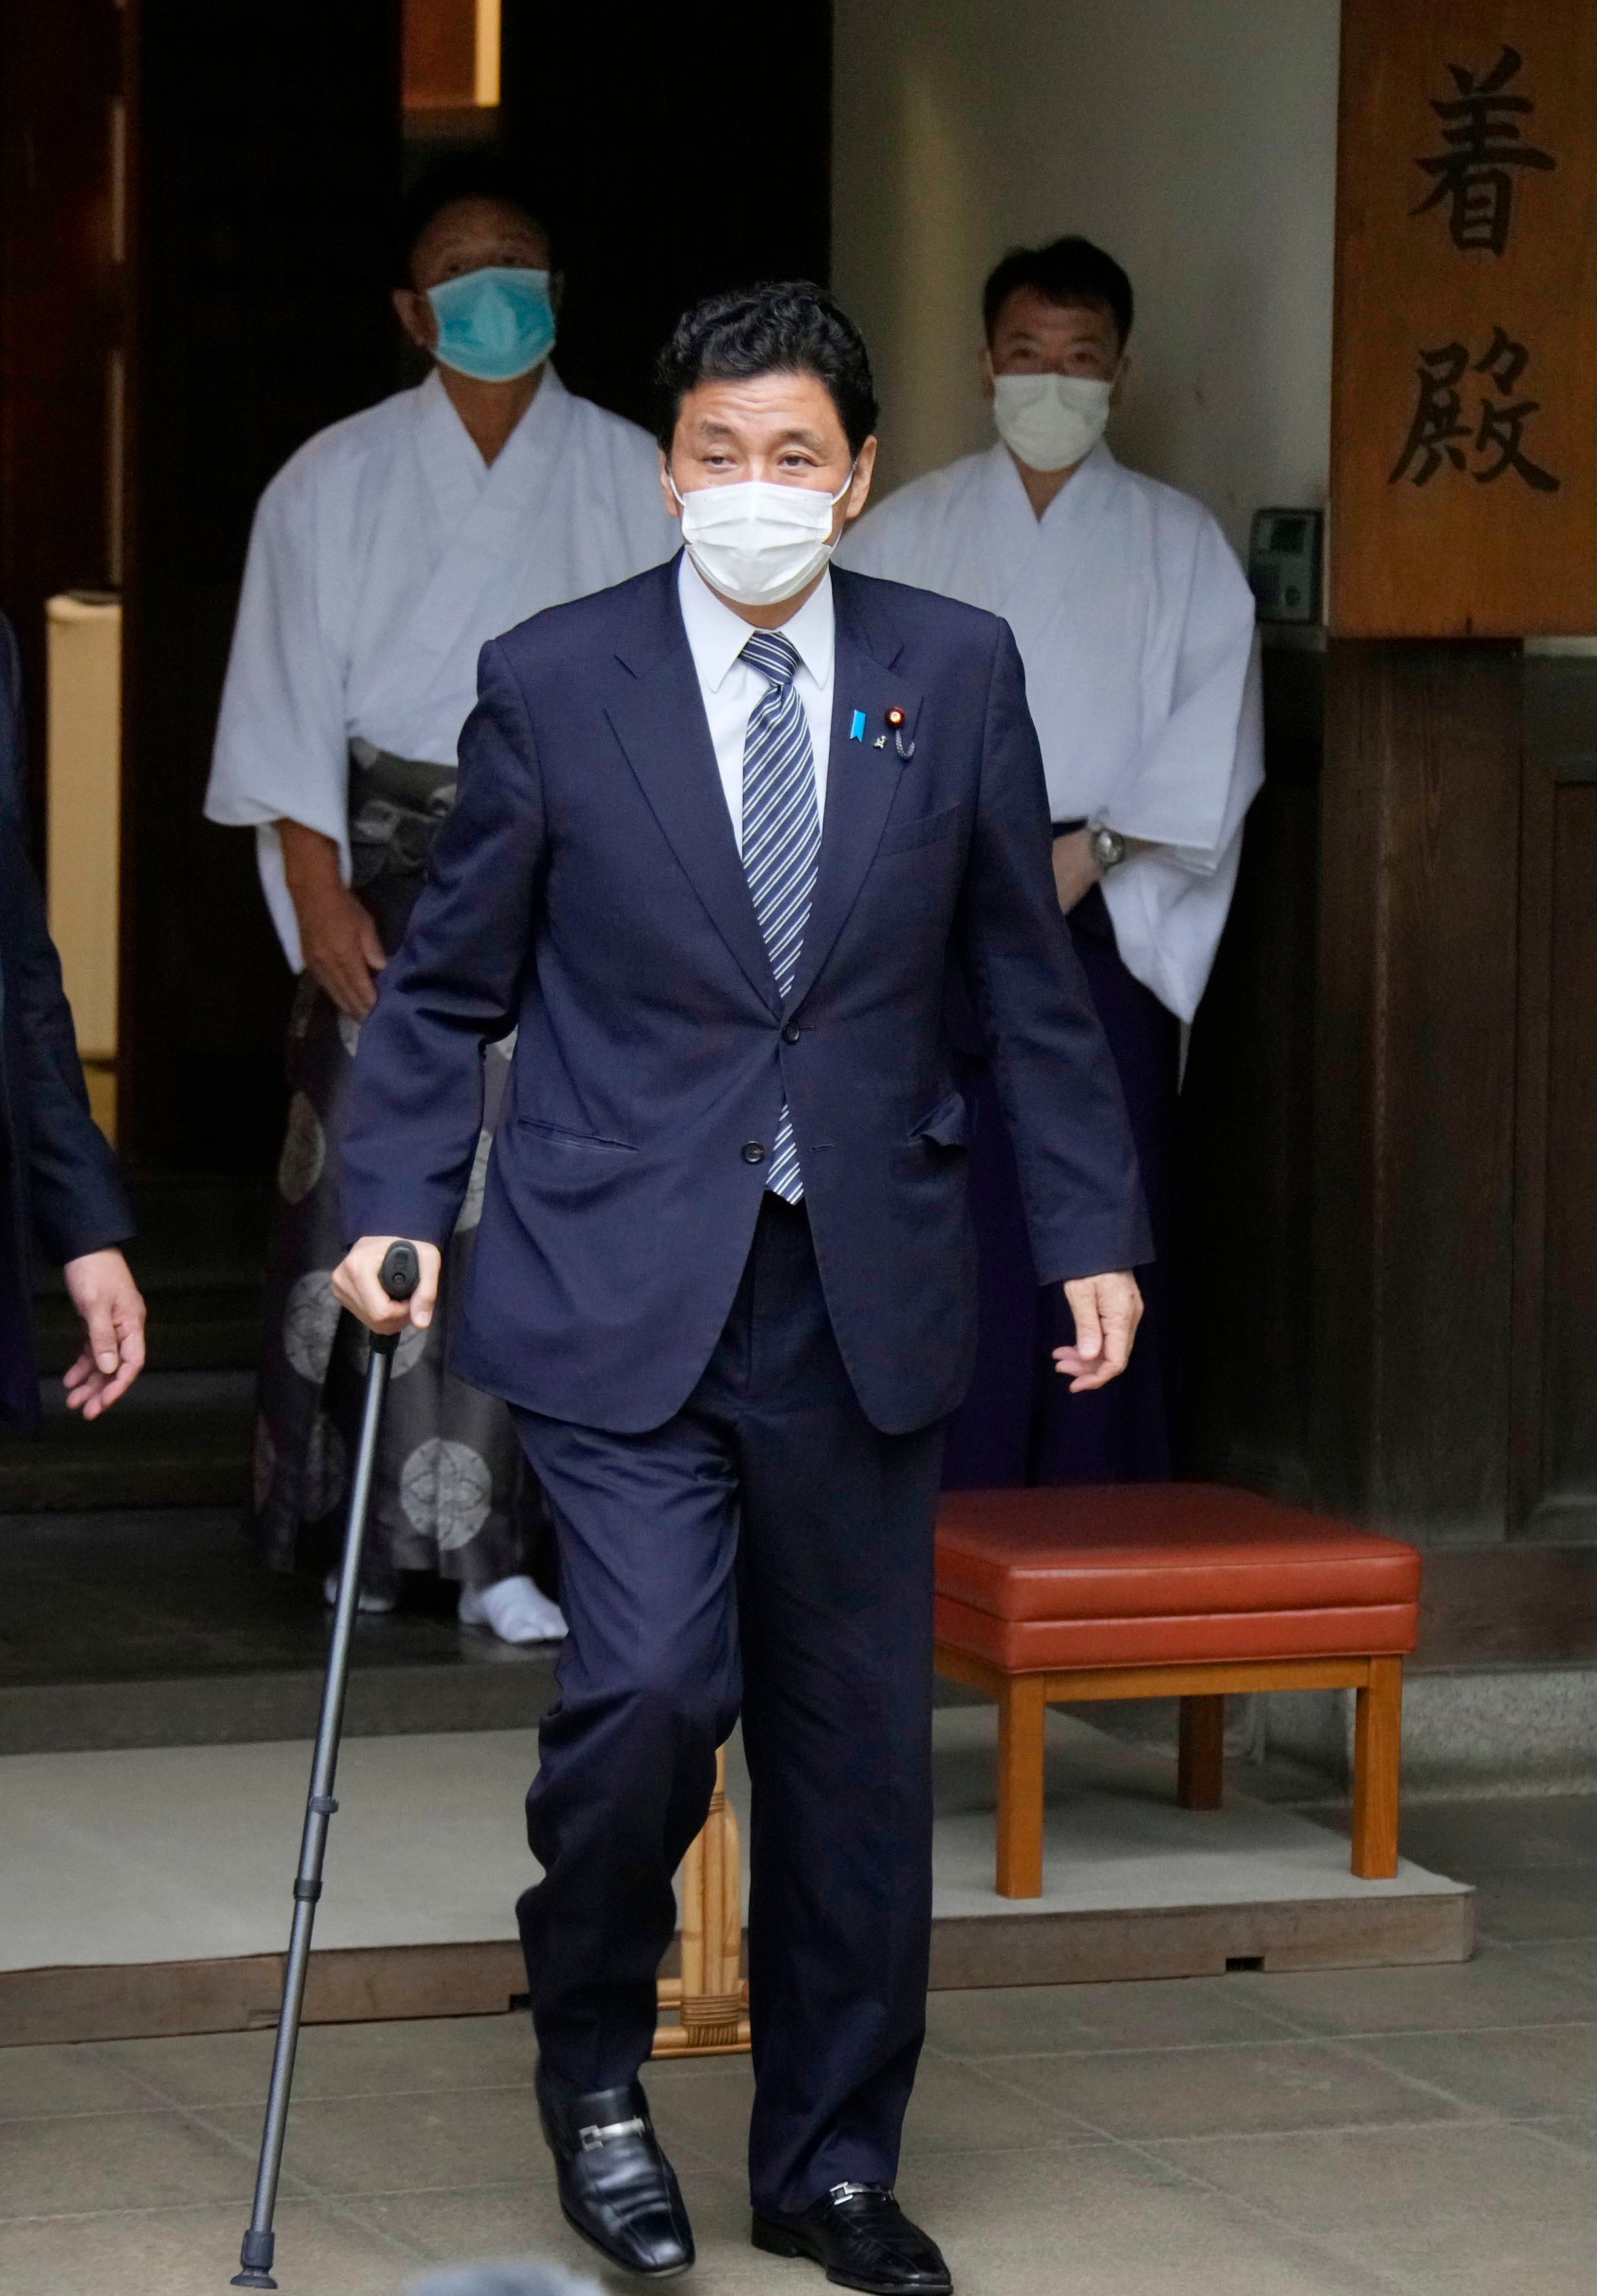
(1049, 422)
(757, 542)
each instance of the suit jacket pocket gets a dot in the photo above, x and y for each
(947, 1125)
(925, 830)
(559, 1133)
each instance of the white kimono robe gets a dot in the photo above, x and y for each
(1137, 628)
(384, 555)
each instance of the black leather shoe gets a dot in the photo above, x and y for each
(864, 2240)
(617, 2188)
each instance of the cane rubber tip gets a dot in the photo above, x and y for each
(251, 2279)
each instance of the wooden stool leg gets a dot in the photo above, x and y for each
(1377, 1761)
(1200, 1774)
(1022, 1722)
(710, 1997)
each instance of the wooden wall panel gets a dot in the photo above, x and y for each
(1390, 1106)
(1415, 1085)
(1464, 404)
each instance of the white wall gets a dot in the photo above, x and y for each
(1195, 139)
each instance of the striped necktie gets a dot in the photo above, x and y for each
(781, 840)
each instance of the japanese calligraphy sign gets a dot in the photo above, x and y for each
(1464, 398)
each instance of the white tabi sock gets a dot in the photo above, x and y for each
(512, 1609)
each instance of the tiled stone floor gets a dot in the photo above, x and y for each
(1422, 2132)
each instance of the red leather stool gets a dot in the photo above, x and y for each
(1161, 1590)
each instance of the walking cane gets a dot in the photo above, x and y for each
(399, 1275)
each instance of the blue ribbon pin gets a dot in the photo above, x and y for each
(856, 731)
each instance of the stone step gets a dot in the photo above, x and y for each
(159, 1394)
(251, 1705)
(161, 1629)
(190, 1462)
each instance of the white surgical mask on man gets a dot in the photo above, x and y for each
(1049, 422)
(757, 542)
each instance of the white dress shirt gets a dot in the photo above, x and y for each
(731, 686)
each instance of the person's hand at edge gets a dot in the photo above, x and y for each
(100, 1286)
(1108, 1309)
(356, 1285)
(1075, 867)
(338, 936)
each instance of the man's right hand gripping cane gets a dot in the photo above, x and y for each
(356, 1285)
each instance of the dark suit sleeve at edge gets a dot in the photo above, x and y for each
(72, 1185)
(1055, 1074)
(415, 1107)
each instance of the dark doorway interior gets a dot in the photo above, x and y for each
(62, 123)
(680, 158)
(266, 159)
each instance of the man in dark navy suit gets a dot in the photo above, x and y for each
(58, 1178)
(719, 832)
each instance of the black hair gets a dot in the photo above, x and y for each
(787, 326)
(1067, 271)
(474, 175)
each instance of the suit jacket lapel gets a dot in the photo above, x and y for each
(659, 722)
(862, 780)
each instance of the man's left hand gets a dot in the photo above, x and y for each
(1108, 1309)
(104, 1292)
(1075, 867)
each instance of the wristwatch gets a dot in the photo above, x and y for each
(1108, 847)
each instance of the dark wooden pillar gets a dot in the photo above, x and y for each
(266, 172)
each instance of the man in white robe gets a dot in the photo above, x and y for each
(1135, 625)
(384, 555)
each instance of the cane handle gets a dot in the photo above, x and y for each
(401, 1270)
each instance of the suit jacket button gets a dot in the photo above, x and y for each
(753, 1153)
(791, 1033)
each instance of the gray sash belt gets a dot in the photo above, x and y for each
(396, 805)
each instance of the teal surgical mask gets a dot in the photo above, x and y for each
(495, 323)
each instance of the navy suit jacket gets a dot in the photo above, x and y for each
(58, 1178)
(587, 886)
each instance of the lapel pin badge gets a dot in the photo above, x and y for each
(907, 750)
(856, 731)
